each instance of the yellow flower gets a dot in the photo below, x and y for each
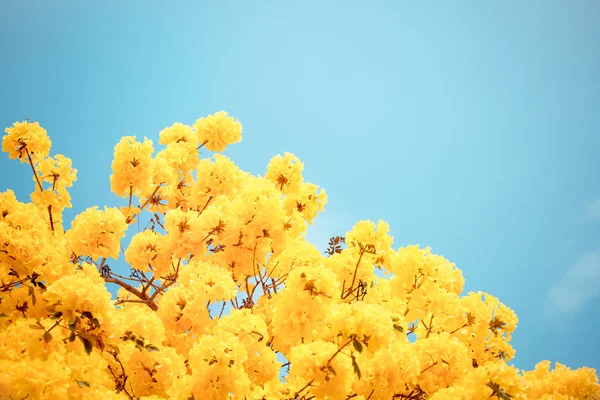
(217, 131)
(221, 177)
(97, 233)
(144, 249)
(131, 167)
(26, 138)
(285, 173)
(178, 133)
(85, 290)
(307, 202)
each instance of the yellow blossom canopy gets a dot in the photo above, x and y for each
(225, 298)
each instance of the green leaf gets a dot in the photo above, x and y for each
(399, 328)
(3, 315)
(87, 345)
(47, 337)
(36, 327)
(72, 337)
(357, 345)
(82, 384)
(96, 322)
(151, 348)
(57, 315)
(356, 369)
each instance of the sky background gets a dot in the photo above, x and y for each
(471, 127)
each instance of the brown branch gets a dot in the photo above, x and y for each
(199, 147)
(166, 285)
(222, 309)
(143, 296)
(249, 301)
(459, 328)
(205, 205)
(162, 289)
(50, 216)
(435, 363)
(37, 179)
(339, 350)
(429, 327)
(362, 251)
(120, 386)
(350, 290)
(145, 288)
(146, 202)
(121, 301)
(125, 277)
(275, 266)
(303, 388)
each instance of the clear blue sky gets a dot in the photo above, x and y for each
(471, 127)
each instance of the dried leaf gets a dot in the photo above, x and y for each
(47, 337)
(32, 294)
(100, 343)
(82, 384)
(356, 369)
(310, 285)
(151, 348)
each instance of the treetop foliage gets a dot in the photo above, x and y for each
(225, 298)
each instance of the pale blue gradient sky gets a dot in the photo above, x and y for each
(471, 127)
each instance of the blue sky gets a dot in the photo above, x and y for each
(471, 127)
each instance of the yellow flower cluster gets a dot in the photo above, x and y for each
(131, 166)
(97, 233)
(30, 143)
(59, 175)
(217, 131)
(26, 140)
(223, 285)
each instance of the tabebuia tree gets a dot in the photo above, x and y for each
(225, 298)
